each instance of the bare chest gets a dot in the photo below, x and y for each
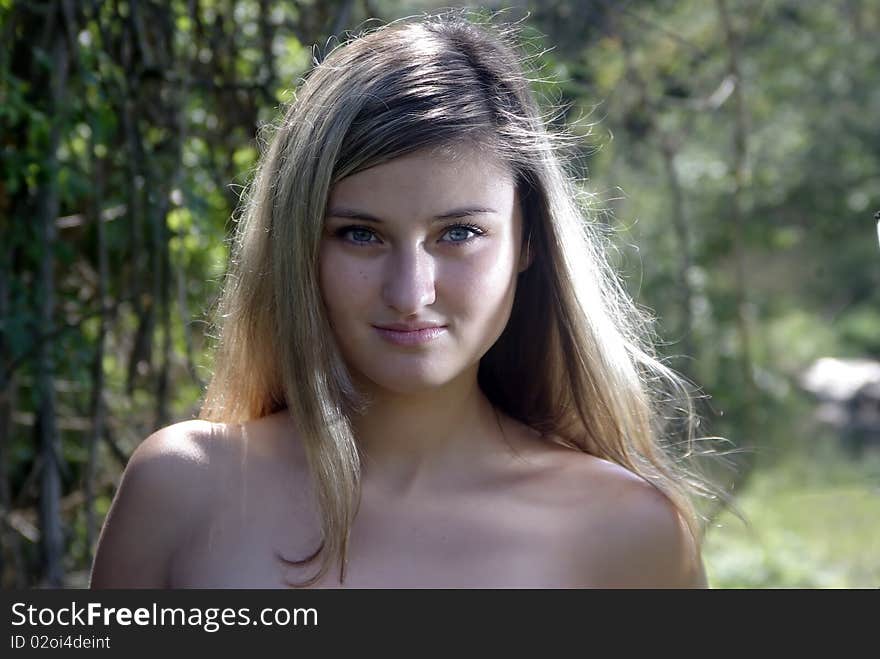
(455, 543)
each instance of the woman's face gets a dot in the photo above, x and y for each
(419, 262)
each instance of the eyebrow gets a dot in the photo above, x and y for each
(465, 211)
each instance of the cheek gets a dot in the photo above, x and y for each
(344, 283)
(480, 286)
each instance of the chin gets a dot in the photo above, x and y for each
(403, 373)
(409, 384)
(409, 379)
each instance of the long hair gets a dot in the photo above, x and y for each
(575, 361)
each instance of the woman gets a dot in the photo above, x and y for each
(427, 375)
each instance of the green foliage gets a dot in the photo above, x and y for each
(857, 329)
(813, 524)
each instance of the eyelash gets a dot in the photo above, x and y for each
(477, 232)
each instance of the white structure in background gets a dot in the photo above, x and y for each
(849, 396)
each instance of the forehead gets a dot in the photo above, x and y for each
(427, 181)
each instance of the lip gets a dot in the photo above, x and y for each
(410, 335)
(408, 327)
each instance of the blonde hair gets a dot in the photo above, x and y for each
(575, 361)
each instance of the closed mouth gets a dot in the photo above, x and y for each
(408, 328)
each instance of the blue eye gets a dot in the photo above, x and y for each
(356, 235)
(463, 233)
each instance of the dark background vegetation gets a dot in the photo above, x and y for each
(732, 147)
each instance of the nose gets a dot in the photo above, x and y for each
(408, 284)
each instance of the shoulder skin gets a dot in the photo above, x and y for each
(165, 489)
(643, 540)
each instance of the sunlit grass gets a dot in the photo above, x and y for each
(814, 522)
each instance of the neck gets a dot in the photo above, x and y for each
(412, 440)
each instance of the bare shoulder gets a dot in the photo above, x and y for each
(632, 535)
(179, 460)
(166, 487)
(188, 444)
